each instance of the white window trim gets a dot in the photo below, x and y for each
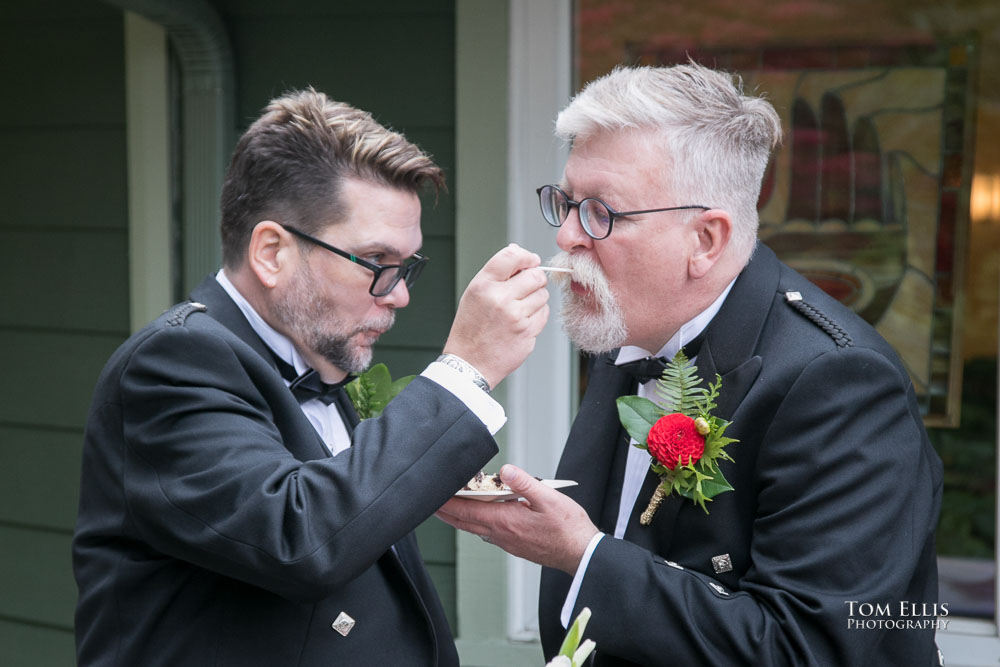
(513, 75)
(540, 400)
(148, 151)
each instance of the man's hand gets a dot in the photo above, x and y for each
(500, 314)
(547, 527)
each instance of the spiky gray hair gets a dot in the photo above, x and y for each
(716, 139)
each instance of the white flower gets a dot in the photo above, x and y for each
(581, 653)
(560, 661)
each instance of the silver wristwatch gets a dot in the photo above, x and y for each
(466, 369)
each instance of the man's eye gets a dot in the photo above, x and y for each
(375, 258)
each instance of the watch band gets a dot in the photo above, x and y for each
(466, 369)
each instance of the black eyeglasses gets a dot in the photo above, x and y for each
(386, 276)
(596, 217)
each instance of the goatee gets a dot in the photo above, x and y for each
(306, 315)
(594, 322)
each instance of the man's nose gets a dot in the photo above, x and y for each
(399, 297)
(571, 235)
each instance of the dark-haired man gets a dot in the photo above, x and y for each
(228, 514)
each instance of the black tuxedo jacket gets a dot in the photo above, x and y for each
(214, 529)
(837, 494)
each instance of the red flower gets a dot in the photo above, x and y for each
(675, 437)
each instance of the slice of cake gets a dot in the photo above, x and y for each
(484, 482)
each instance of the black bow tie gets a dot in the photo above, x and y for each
(309, 385)
(649, 368)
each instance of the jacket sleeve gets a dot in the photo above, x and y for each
(845, 498)
(208, 478)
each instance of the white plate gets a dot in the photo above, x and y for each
(493, 496)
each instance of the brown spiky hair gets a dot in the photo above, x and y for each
(290, 165)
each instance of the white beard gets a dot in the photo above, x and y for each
(595, 323)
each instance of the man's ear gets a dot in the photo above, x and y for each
(713, 229)
(268, 255)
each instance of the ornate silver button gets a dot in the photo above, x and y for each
(343, 624)
(722, 563)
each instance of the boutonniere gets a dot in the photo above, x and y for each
(684, 439)
(371, 391)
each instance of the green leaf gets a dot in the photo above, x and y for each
(716, 484)
(359, 397)
(378, 376)
(679, 387)
(399, 385)
(638, 415)
(372, 390)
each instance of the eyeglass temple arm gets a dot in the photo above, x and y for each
(657, 210)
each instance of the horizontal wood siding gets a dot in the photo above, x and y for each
(65, 301)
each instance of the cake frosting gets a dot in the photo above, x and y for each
(485, 482)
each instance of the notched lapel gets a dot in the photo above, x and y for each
(735, 385)
(589, 455)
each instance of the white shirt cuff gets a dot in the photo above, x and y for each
(574, 589)
(478, 401)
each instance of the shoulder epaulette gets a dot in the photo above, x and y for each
(832, 329)
(180, 312)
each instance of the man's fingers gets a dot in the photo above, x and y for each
(509, 261)
(453, 514)
(537, 320)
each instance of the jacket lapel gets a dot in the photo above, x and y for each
(224, 310)
(596, 435)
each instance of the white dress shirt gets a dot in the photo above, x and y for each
(638, 460)
(326, 419)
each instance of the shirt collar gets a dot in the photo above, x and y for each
(280, 345)
(688, 332)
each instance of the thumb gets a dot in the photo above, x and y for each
(519, 481)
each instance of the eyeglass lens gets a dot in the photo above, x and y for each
(386, 281)
(594, 215)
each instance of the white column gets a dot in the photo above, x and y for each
(540, 396)
(147, 131)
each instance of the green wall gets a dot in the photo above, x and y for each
(65, 296)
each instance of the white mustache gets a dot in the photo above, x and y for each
(598, 327)
(586, 272)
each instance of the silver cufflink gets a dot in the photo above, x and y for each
(722, 563)
(343, 624)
